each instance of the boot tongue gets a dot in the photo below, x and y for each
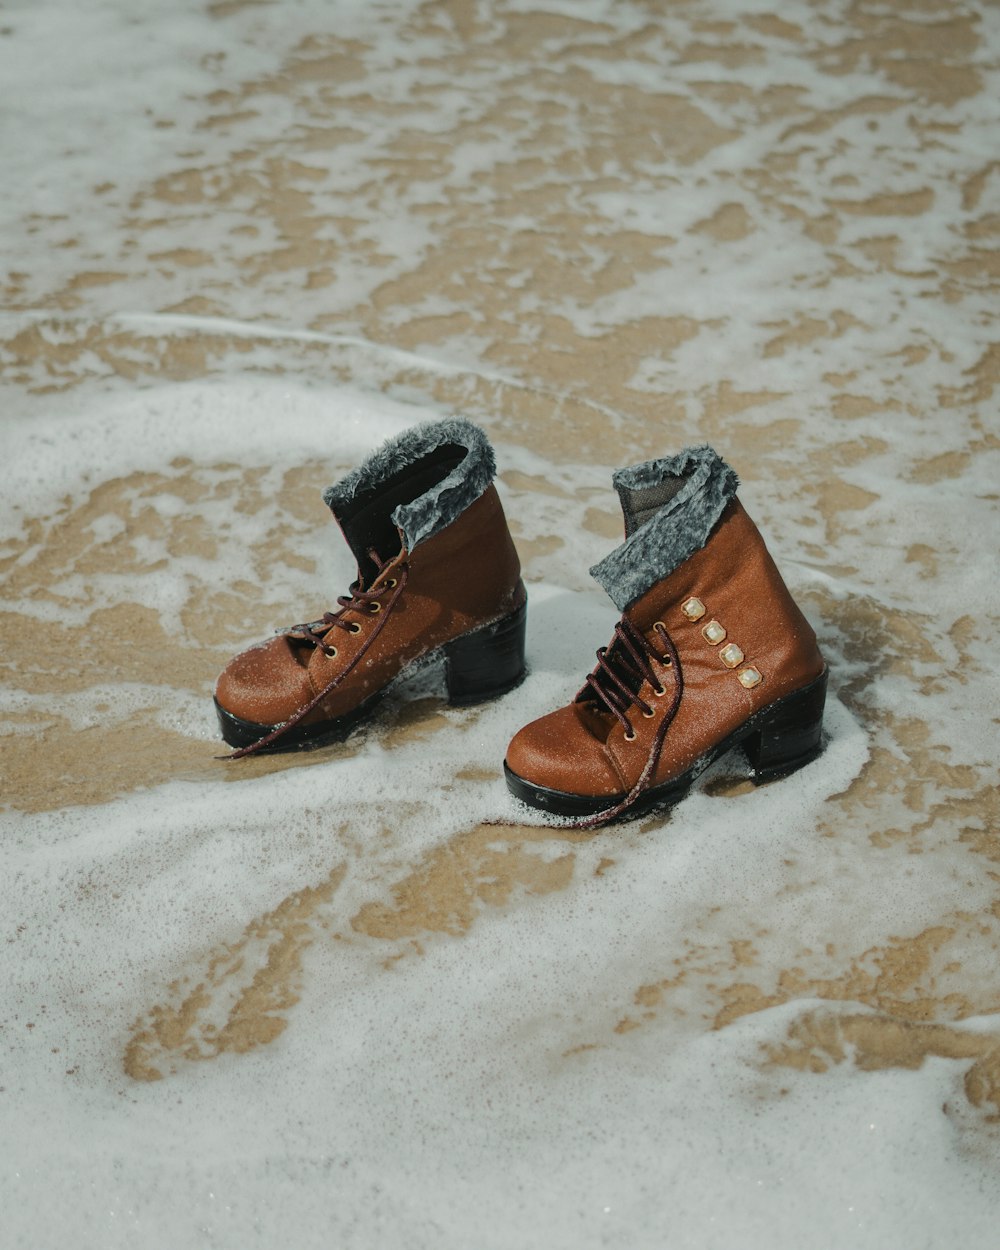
(639, 503)
(370, 527)
(371, 562)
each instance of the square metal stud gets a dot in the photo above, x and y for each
(693, 609)
(713, 632)
(749, 677)
(731, 655)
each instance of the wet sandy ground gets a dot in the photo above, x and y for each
(603, 238)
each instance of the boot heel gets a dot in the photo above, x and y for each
(789, 735)
(488, 663)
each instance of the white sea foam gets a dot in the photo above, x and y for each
(494, 1081)
(447, 1097)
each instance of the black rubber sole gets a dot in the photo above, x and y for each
(777, 740)
(479, 666)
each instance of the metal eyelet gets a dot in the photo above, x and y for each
(331, 653)
(649, 715)
(665, 660)
(660, 693)
(631, 737)
(375, 607)
(391, 582)
(355, 627)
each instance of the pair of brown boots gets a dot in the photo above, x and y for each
(711, 652)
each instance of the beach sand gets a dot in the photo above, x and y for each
(326, 997)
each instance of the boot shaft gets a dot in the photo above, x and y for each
(471, 567)
(689, 542)
(411, 488)
(732, 617)
(427, 498)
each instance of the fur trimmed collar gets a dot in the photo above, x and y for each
(440, 504)
(670, 507)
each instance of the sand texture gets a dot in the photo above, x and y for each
(357, 997)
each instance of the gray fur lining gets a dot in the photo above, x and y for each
(670, 507)
(438, 506)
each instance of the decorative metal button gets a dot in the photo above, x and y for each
(749, 677)
(694, 609)
(714, 633)
(731, 655)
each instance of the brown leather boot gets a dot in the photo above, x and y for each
(437, 573)
(711, 653)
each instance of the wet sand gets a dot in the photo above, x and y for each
(604, 234)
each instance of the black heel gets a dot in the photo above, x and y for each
(488, 663)
(790, 734)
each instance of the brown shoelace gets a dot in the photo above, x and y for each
(316, 634)
(613, 686)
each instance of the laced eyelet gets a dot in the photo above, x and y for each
(649, 715)
(375, 607)
(660, 693)
(355, 627)
(391, 582)
(631, 737)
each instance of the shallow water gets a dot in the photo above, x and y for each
(351, 994)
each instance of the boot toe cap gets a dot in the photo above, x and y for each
(265, 684)
(558, 752)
